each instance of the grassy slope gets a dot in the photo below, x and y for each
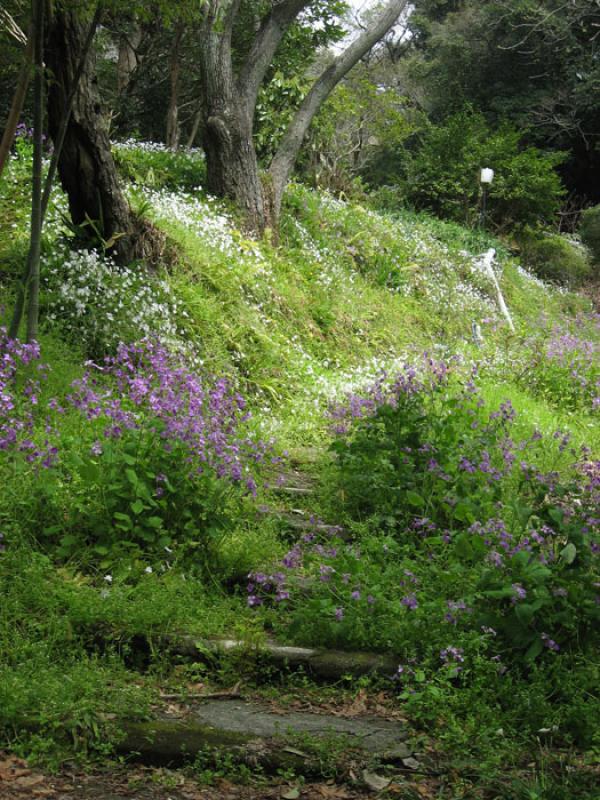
(347, 292)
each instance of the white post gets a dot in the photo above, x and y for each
(487, 261)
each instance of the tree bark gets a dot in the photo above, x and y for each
(127, 61)
(197, 120)
(231, 162)
(17, 105)
(33, 272)
(173, 130)
(86, 167)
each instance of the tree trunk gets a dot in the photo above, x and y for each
(33, 308)
(127, 61)
(231, 163)
(195, 128)
(86, 167)
(173, 129)
(17, 105)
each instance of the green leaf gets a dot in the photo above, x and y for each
(137, 507)
(414, 499)
(463, 513)
(568, 553)
(534, 650)
(124, 521)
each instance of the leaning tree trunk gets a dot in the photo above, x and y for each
(17, 105)
(231, 162)
(86, 167)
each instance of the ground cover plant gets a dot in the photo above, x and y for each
(458, 472)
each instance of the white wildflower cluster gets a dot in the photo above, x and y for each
(101, 304)
(155, 147)
(531, 278)
(414, 263)
(203, 217)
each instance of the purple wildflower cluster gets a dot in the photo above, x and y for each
(21, 375)
(145, 387)
(318, 557)
(149, 387)
(411, 382)
(567, 365)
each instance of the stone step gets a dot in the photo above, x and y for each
(254, 733)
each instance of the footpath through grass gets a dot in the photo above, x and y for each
(149, 495)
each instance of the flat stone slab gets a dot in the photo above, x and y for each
(372, 734)
(256, 735)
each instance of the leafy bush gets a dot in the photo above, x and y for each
(480, 548)
(147, 457)
(555, 258)
(590, 231)
(441, 173)
(154, 165)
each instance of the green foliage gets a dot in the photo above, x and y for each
(517, 61)
(133, 504)
(590, 231)
(555, 258)
(155, 166)
(359, 120)
(278, 101)
(441, 173)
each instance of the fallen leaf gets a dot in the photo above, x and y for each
(295, 752)
(291, 794)
(27, 781)
(334, 792)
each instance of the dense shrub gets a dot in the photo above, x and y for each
(555, 258)
(146, 456)
(590, 231)
(441, 173)
(480, 552)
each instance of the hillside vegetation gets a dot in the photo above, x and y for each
(455, 462)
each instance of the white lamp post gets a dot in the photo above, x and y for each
(486, 176)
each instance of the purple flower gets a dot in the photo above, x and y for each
(452, 654)
(520, 593)
(410, 601)
(550, 643)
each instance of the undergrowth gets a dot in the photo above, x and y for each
(137, 501)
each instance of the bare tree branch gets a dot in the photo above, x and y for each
(9, 24)
(284, 159)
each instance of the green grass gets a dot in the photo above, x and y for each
(346, 292)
